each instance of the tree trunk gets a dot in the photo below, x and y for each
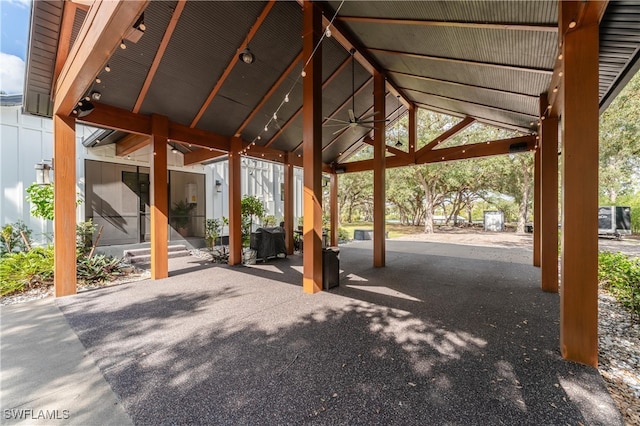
(524, 202)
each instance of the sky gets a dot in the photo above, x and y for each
(14, 27)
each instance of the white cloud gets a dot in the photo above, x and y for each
(11, 73)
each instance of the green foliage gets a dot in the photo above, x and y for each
(180, 213)
(10, 238)
(98, 268)
(212, 230)
(41, 199)
(343, 235)
(84, 236)
(22, 269)
(620, 275)
(620, 144)
(250, 207)
(269, 220)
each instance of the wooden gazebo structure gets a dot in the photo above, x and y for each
(261, 78)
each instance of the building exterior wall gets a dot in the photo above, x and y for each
(26, 140)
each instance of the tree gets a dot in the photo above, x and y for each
(620, 144)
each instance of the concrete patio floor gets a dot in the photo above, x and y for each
(445, 334)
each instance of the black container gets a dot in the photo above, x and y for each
(330, 268)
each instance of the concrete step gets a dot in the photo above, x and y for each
(143, 255)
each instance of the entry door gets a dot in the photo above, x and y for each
(139, 184)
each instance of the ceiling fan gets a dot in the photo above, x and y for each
(354, 122)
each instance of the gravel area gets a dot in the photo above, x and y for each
(619, 341)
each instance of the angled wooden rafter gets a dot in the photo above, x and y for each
(99, 37)
(343, 36)
(329, 79)
(64, 44)
(232, 63)
(338, 109)
(269, 93)
(489, 121)
(175, 17)
(463, 61)
(131, 143)
(466, 122)
(461, 152)
(452, 24)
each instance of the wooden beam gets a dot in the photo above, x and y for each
(269, 93)
(342, 35)
(334, 213)
(446, 135)
(392, 150)
(64, 39)
(159, 198)
(549, 204)
(175, 17)
(312, 147)
(463, 61)
(494, 123)
(379, 172)
(580, 114)
(64, 205)
(115, 118)
(578, 12)
(197, 137)
(131, 143)
(450, 24)
(232, 63)
(201, 155)
(288, 203)
(476, 150)
(99, 37)
(333, 75)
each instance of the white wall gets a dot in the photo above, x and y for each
(26, 140)
(262, 179)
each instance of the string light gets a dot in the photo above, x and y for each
(122, 45)
(107, 68)
(572, 24)
(98, 80)
(303, 73)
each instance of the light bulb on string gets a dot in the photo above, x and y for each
(266, 128)
(303, 73)
(286, 97)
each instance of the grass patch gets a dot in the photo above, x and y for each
(619, 274)
(395, 230)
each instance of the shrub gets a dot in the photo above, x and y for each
(98, 268)
(343, 234)
(620, 275)
(84, 236)
(269, 220)
(10, 238)
(19, 270)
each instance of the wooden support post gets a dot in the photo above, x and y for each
(333, 209)
(235, 213)
(548, 211)
(159, 198)
(64, 205)
(536, 206)
(412, 130)
(288, 202)
(312, 147)
(579, 289)
(379, 171)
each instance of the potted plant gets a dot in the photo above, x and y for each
(250, 207)
(181, 215)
